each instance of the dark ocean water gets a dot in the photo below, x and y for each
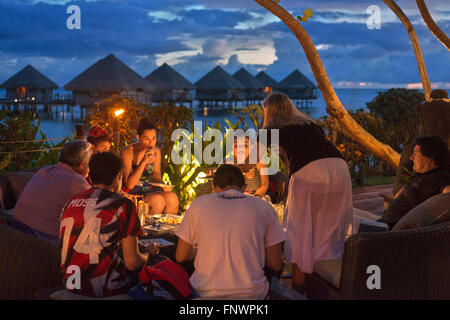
(352, 99)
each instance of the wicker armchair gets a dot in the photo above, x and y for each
(27, 264)
(414, 264)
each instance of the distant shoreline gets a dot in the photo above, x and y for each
(352, 99)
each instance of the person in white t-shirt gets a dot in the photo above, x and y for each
(231, 236)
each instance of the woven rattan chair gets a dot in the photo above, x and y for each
(414, 264)
(27, 264)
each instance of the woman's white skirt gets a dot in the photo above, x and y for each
(318, 215)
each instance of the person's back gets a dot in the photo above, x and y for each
(310, 144)
(232, 231)
(98, 233)
(92, 225)
(42, 200)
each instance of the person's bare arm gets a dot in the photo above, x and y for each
(132, 178)
(399, 192)
(127, 158)
(157, 176)
(446, 189)
(132, 257)
(157, 166)
(274, 257)
(264, 181)
(185, 251)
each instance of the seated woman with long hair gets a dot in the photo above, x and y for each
(318, 215)
(142, 165)
(256, 182)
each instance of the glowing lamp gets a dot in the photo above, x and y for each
(119, 112)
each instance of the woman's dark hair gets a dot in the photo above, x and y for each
(439, 94)
(96, 135)
(104, 167)
(434, 147)
(144, 124)
(228, 175)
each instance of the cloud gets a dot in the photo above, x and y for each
(196, 35)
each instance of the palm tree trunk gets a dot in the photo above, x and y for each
(415, 43)
(434, 28)
(349, 127)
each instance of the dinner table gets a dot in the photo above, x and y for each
(161, 233)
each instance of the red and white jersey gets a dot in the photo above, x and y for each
(93, 223)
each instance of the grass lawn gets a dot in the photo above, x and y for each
(374, 181)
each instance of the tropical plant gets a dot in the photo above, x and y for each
(167, 117)
(361, 163)
(253, 112)
(187, 176)
(123, 127)
(400, 109)
(23, 145)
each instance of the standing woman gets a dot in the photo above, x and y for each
(142, 165)
(318, 215)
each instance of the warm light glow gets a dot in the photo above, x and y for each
(202, 176)
(119, 112)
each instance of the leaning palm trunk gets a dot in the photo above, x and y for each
(347, 125)
(415, 43)
(434, 28)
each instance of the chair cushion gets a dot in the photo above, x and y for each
(434, 210)
(364, 221)
(18, 180)
(363, 214)
(329, 270)
(68, 295)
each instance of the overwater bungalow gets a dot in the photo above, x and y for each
(254, 89)
(268, 81)
(28, 86)
(217, 86)
(298, 87)
(169, 85)
(106, 77)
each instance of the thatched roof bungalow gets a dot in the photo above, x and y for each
(106, 77)
(297, 86)
(267, 80)
(254, 89)
(218, 85)
(169, 85)
(28, 85)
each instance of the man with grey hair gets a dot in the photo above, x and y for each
(39, 207)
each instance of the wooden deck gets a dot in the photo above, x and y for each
(369, 198)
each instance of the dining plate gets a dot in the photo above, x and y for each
(162, 185)
(160, 242)
(158, 227)
(170, 219)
